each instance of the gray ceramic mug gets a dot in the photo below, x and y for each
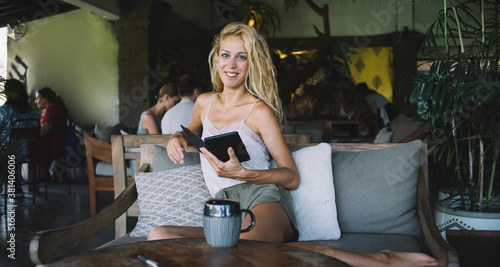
(222, 222)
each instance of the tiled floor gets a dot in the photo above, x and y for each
(59, 210)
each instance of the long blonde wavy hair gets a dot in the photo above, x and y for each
(261, 76)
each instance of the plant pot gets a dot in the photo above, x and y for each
(447, 218)
(447, 193)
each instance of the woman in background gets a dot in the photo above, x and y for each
(246, 100)
(55, 113)
(150, 122)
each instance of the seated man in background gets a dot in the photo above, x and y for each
(189, 89)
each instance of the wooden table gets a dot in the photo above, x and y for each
(476, 247)
(196, 252)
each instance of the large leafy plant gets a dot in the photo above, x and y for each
(459, 97)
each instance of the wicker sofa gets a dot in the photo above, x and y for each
(380, 200)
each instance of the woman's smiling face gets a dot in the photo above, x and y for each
(233, 62)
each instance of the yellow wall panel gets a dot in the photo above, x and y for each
(373, 65)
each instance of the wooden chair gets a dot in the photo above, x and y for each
(26, 129)
(98, 150)
(119, 145)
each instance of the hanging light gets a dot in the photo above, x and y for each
(251, 22)
(16, 29)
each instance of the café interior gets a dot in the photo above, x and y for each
(108, 59)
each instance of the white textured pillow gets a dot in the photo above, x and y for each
(383, 136)
(171, 197)
(314, 200)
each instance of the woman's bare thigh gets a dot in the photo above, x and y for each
(169, 232)
(271, 224)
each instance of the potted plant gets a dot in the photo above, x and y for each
(459, 98)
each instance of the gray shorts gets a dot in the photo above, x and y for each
(250, 195)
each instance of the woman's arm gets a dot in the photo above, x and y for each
(263, 122)
(47, 117)
(178, 143)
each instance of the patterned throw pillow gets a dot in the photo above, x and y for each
(171, 197)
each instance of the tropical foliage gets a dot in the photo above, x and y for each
(262, 16)
(459, 97)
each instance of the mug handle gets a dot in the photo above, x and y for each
(252, 224)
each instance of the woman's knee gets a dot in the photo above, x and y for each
(157, 233)
(272, 224)
(168, 232)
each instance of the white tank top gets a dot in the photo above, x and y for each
(259, 155)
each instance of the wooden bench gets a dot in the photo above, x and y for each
(44, 245)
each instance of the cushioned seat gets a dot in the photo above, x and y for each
(106, 169)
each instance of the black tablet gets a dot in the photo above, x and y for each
(218, 144)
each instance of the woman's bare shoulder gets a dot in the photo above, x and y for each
(262, 117)
(148, 115)
(205, 98)
(262, 110)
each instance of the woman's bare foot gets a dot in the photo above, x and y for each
(383, 258)
(391, 258)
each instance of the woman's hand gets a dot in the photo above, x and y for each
(229, 169)
(176, 147)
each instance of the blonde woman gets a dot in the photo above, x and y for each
(150, 121)
(245, 99)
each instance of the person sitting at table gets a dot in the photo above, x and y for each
(55, 113)
(181, 113)
(150, 121)
(379, 104)
(245, 99)
(15, 107)
(350, 107)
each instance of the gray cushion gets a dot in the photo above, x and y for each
(373, 243)
(106, 169)
(402, 127)
(162, 162)
(171, 197)
(376, 190)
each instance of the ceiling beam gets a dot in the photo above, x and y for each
(25, 3)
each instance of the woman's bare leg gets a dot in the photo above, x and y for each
(276, 226)
(383, 258)
(169, 232)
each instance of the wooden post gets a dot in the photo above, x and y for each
(120, 180)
